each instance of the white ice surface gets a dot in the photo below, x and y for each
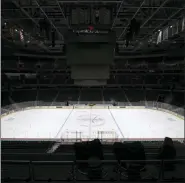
(127, 123)
(34, 123)
(147, 123)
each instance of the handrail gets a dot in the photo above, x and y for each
(56, 154)
(86, 161)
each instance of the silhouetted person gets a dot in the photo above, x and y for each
(95, 157)
(130, 151)
(92, 152)
(167, 152)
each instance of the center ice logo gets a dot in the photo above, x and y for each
(93, 119)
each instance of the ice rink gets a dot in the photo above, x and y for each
(91, 123)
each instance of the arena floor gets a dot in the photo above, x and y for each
(60, 123)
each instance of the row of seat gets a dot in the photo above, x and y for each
(26, 145)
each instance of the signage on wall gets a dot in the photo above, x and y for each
(91, 30)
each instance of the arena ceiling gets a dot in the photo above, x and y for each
(28, 58)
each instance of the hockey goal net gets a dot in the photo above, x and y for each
(83, 136)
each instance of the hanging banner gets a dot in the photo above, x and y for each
(175, 29)
(21, 36)
(183, 24)
(159, 37)
(165, 34)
